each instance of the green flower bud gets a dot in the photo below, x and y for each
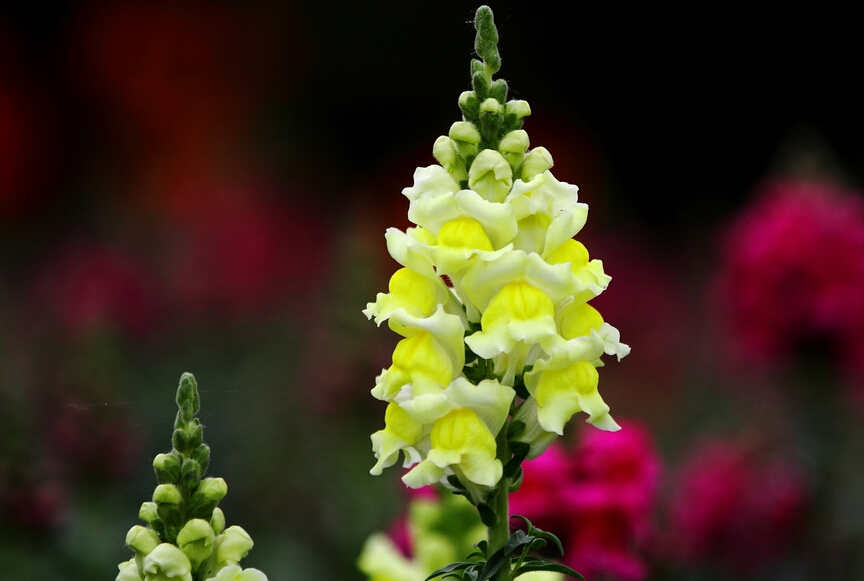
(232, 546)
(491, 176)
(142, 540)
(167, 467)
(490, 105)
(147, 512)
(167, 563)
(195, 435)
(128, 571)
(167, 494)
(536, 162)
(195, 539)
(202, 456)
(235, 573)
(465, 137)
(498, 91)
(513, 147)
(180, 440)
(191, 474)
(532, 434)
(519, 108)
(213, 488)
(187, 396)
(217, 521)
(200, 506)
(444, 151)
(480, 84)
(470, 105)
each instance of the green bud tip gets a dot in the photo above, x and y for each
(188, 392)
(486, 41)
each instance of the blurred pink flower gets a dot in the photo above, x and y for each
(793, 272)
(598, 499)
(35, 505)
(245, 254)
(92, 442)
(87, 285)
(731, 507)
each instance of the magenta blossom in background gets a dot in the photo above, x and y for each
(597, 498)
(793, 271)
(732, 508)
(90, 286)
(244, 253)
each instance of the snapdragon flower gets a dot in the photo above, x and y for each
(491, 301)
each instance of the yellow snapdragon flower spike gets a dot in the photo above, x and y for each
(492, 302)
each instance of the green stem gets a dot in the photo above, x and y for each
(499, 533)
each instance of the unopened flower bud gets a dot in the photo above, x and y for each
(128, 571)
(195, 539)
(147, 512)
(195, 434)
(490, 105)
(470, 105)
(191, 474)
(519, 108)
(513, 147)
(444, 151)
(142, 540)
(235, 573)
(217, 521)
(213, 488)
(466, 138)
(536, 162)
(202, 456)
(167, 563)
(491, 176)
(167, 494)
(167, 467)
(232, 546)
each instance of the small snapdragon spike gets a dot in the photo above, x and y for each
(493, 294)
(185, 538)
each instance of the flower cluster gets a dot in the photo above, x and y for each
(491, 300)
(600, 496)
(185, 538)
(731, 507)
(794, 263)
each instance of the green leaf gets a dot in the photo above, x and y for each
(495, 562)
(515, 428)
(487, 515)
(517, 540)
(549, 537)
(453, 480)
(516, 480)
(540, 565)
(449, 569)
